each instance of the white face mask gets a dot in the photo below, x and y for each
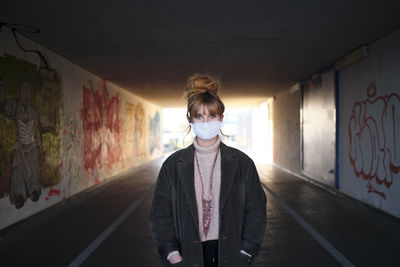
(206, 130)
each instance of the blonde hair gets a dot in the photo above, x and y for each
(203, 90)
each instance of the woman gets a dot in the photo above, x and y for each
(208, 207)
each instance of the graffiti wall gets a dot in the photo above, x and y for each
(63, 130)
(135, 124)
(370, 126)
(30, 104)
(101, 124)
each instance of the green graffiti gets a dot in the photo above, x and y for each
(11, 70)
(8, 135)
(51, 150)
(7, 145)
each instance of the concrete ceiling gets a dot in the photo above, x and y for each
(256, 48)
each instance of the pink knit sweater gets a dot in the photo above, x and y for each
(206, 157)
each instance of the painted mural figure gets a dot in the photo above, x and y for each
(25, 172)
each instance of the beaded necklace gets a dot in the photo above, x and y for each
(206, 203)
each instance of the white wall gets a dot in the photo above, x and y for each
(285, 114)
(369, 130)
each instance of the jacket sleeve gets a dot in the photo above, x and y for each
(161, 217)
(255, 218)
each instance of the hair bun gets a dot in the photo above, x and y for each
(199, 84)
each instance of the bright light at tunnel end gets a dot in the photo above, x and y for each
(248, 129)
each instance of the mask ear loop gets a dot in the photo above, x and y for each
(225, 135)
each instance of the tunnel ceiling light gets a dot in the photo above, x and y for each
(294, 88)
(351, 58)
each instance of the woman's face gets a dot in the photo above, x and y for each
(203, 115)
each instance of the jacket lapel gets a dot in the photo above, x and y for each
(228, 171)
(186, 177)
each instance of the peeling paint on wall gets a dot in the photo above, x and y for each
(374, 133)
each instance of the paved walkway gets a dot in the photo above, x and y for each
(107, 226)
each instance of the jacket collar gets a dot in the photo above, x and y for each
(186, 177)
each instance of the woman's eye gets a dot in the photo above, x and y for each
(212, 116)
(197, 116)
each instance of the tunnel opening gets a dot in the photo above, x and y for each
(248, 129)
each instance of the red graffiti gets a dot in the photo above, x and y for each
(374, 132)
(52, 192)
(101, 128)
(371, 189)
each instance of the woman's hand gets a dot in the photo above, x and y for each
(175, 258)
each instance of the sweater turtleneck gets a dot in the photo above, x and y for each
(206, 156)
(207, 149)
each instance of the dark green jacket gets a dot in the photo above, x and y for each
(174, 219)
